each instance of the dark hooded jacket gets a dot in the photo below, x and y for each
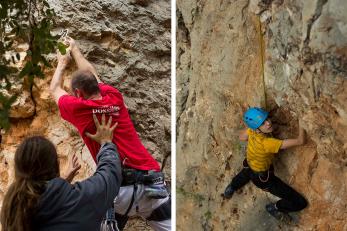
(81, 206)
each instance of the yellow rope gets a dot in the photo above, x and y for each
(262, 57)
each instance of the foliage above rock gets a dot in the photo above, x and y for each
(23, 22)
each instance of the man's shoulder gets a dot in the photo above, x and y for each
(66, 102)
(67, 98)
(107, 87)
(70, 105)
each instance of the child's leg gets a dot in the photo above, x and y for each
(291, 200)
(241, 179)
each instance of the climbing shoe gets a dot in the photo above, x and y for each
(229, 191)
(281, 216)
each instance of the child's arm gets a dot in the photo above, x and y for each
(243, 136)
(287, 143)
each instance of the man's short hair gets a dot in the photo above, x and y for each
(86, 82)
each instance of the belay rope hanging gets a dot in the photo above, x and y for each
(262, 58)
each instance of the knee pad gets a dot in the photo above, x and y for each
(162, 213)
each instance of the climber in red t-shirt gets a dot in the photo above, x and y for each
(91, 96)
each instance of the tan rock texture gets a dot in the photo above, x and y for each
(129, 43)
(286, 56)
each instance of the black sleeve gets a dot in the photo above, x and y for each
(101, 188)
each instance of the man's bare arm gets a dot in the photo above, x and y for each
(81, 62)
(287, 143)
(55, 87)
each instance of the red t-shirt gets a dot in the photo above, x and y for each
(78, 111)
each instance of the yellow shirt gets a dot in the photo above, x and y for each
(261, 150)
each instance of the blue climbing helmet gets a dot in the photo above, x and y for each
(254, 117)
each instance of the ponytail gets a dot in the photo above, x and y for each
(35, 163)
(20, 205)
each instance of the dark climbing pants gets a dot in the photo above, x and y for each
(290, 201)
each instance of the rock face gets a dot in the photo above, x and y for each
(286, 56)
(129, 44)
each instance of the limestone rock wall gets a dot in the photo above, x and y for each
(286, 56)
(128, 41)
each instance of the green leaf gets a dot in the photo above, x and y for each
(3, 71)
(4, 119)
(36, 71)
(8, 84)
(45, 62)
(62, 48)
(26, 70)
(10, 101)
(3, 13)
(31, 79)
(49, 13)
(14, 15)
(4, 110)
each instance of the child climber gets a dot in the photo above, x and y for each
(258, 168)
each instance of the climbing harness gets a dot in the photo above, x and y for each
(147, 183)
(132, 201)
(155, 185)
(154, 181)
(267, 178)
